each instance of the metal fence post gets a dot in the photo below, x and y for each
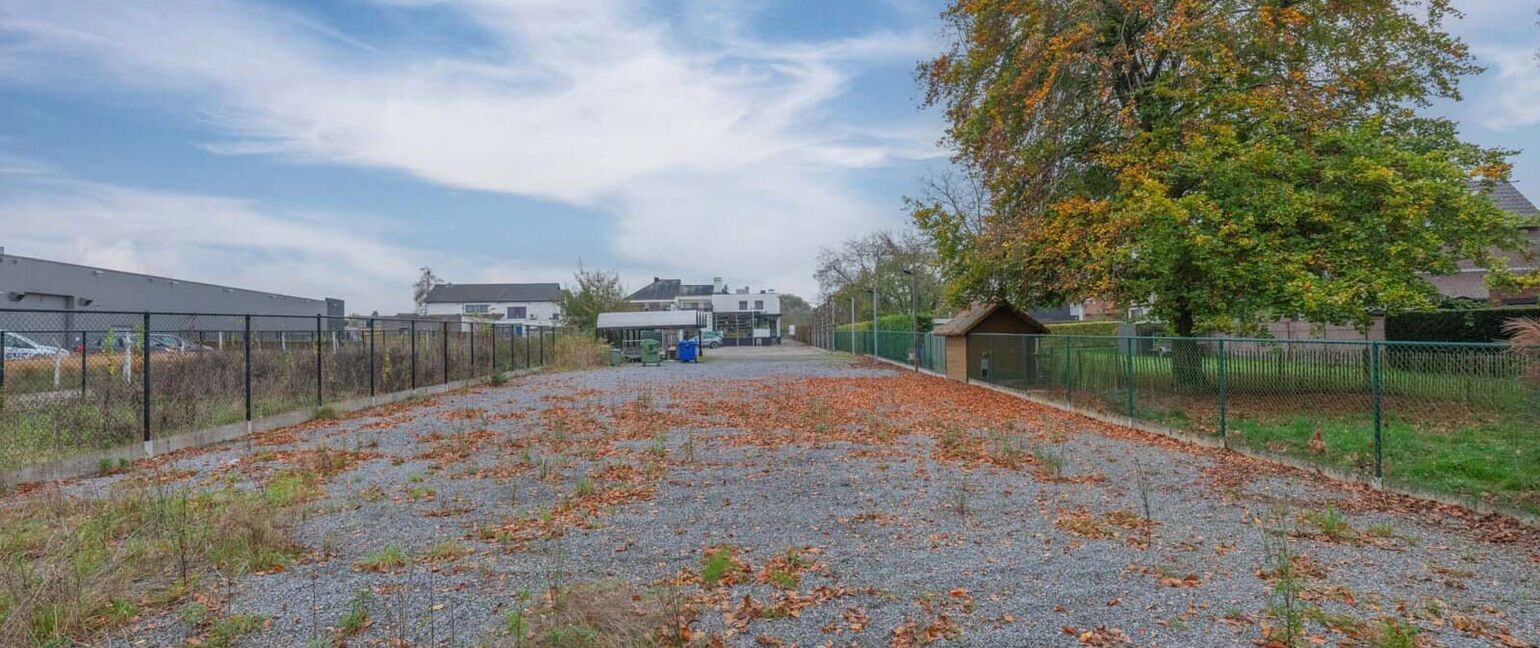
(371, 357)
(493, 353)
(413, 324)
(1224, 419)
(473, 348)
(3, 335)
(247, 361)
(527, 344)
(1069, 384)
(541, 336)
(1374, 370)
(444, 344)
(1128, 351)
(144, 356)
(318, 399)
(83, 352)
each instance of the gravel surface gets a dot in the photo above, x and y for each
(1042, 542)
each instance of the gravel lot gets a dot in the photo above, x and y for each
(919, 510)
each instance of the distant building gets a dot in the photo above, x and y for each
(1470, 281)
(743, 317)
(80, 300)
(511, 303)
(673, 294)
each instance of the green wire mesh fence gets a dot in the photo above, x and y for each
(1455, 418)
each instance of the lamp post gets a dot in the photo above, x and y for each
(914, 318)
(874, 319)
(852, 326)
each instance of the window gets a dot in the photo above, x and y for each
(14, 342)
(478, 309)
(518, 312)
(743, 305)
(759, 304)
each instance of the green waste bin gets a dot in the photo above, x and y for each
(615, 358)
(652, 352)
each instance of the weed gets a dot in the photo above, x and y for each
(659, 446)
(716, 565)
(388, 558)
(445, 551)
(224, 631)
(1394, 633)
(1382, 530)
(1050, 460)
(1009, 449)
(688, 447)
(497, 379)
(1283, 602)
(357, 617)
(595, 615)
(585, 487)
(106, 467)
(1332, 523)
(326, 413)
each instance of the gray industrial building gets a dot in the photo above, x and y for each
(61, 304)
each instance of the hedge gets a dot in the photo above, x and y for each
(1085, 328)
(896, 322)
(1453, 325)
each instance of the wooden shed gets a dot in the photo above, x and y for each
(964, 359)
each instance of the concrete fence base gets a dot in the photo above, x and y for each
(89, 463)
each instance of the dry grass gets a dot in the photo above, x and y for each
(72, 569)
(580, 352)
(603, 615)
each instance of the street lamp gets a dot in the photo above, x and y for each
(914, 317)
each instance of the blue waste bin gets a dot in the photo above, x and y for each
(686, 350)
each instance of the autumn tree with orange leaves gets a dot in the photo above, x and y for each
(1225, 162)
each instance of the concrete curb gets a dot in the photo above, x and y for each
(89, 463)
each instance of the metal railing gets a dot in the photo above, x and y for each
(73, 381)
(1455, 418)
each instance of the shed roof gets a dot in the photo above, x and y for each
(965, 321)
(650, 320)
(493, 292)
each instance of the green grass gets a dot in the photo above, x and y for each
(715, 565)
(1498, 461)
(388, 558)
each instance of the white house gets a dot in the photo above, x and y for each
(747, 318)
(509, 303)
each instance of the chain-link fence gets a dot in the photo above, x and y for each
(924, 350)
(72, 381)
(1456, 418)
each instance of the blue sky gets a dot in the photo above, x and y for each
(332, 148)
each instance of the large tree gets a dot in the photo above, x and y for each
(1226, 162)
(593, 292)
(880, 259)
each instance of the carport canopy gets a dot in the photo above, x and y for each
(676, 319)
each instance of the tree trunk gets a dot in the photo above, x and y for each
(1187, 354)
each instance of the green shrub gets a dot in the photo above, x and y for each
(1483, 325)
(894, 322)
(1085, 328)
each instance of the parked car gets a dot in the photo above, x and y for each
(159, 343)
(18, 347)
(710, 339)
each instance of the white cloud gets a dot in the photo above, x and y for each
(208, 238)
(592, 104)
(1512, 99)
